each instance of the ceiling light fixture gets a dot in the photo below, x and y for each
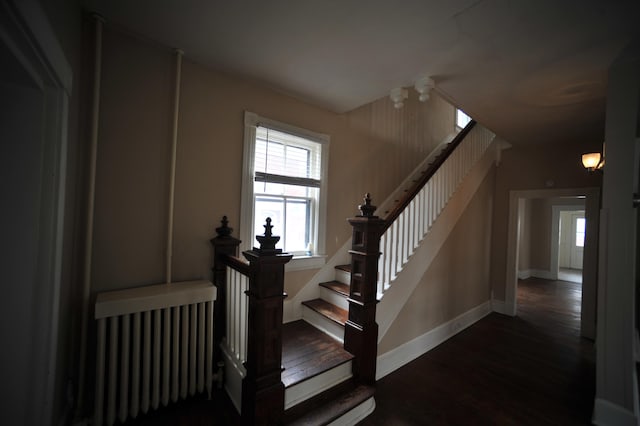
(398, 95)
(593, 161)
(423, 86)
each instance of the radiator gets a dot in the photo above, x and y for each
(154, 346)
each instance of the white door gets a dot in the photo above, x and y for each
(578, 227)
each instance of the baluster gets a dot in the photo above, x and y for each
(224, 245)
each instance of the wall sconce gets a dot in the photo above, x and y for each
(398, 95)
(593, 161)
(423, 86)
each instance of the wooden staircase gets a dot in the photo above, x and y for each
(319, 384)
(322, 369)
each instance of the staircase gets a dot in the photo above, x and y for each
(320, 366)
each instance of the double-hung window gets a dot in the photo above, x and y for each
(285, 179)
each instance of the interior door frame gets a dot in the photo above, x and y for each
(555, 235)
(589, 272)
(27, 33)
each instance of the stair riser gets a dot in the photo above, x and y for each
(309, 388)
(334, 298)
(323, 323)
(343, 276)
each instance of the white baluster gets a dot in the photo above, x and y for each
(157, 326)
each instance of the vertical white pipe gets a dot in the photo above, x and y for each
(88, 243)
(172, 173)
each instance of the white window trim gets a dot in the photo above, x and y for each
(251, 121)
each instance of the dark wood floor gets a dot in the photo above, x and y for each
(530, 370)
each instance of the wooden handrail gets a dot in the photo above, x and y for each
(404, 202)
(236, 263)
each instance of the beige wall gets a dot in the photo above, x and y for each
(526, 168)
(448, 289)
(372, 150)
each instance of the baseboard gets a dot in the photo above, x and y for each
(501, 307)
(606, 413)
(524, 274)
(396, 358)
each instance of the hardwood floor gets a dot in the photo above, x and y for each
(533, 369)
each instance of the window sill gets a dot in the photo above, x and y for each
(300, 263)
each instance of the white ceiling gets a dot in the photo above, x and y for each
(531, 70)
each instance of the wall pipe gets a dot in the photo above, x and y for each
(172, 174)
(88, 243)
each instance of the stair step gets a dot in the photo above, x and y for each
(329, 405)
(343, 274)
(338, 287)
(328, 310)
(312, 362)
(346, 268)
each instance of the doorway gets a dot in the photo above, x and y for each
(517, 202)
(34, 88)
(572, 228)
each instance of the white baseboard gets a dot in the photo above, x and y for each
(502, 307)
(536, 273)
(396, 358)
(606, 413)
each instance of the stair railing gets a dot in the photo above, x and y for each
(249, 326)
(381, 247)
(409, 221)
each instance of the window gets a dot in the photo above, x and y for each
(462, 119)
(580, 225)
(285, 179)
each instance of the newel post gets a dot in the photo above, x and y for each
(262, 387)
(223, 245)
(361, 329)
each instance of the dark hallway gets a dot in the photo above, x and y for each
(530, 370)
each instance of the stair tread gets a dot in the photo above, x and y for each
(346, 268)
(329, 405)
(338, 287)
(329, 310)
(308, 352)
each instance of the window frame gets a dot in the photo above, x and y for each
(251, 121)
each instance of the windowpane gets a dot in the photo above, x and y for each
(297, 233)
(462, 119)
(580, 229)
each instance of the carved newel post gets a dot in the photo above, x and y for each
(223, 245)
(262, 388)
(361, 329)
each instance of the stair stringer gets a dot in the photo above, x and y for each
(407, 280)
